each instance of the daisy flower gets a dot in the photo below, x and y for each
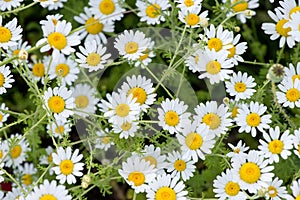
(192, 17)
(292, 72)
(166, 187)
(57, 37)
(3, 115)
(226, 186)
(120, 108)
(240, 86)
(60, 102)
(250, 118)
(44, 3)
(8, 5)
(56, 4)
(193, 61)
(103, 141)
(59, 128)
(49, 190)
(180, 165)
(109, 10)
(276, 144)
(172, 115)
(275, 191)
(131, 45)
(39, 67)
(94, 28)
(137, 173)
(253, 171)
(296, 142)
(240, 8)
(218, 39)
(67, 165)
(15, 50)
(152, 12)
(294, 24)
(288, 8)
(10, 33)
(146, 58)
(92, 56)
(215, 117)
(52, 19)
(289, 96)
(236, 49)
(27, 173)
(127, 129)
(188, 4)
(47, 159)
(195, 141)
(15, 193)
(239, 149)
(5, 79)
(295, 187)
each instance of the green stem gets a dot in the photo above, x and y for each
(18, 9)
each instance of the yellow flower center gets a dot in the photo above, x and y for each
(212, 120)
(1, 117)
(279, 28)
(234, 112)
(107, 7)
(59, 130)
(171, 118)
(237, 150)
(276, 146)
(54, 21)
(126, 126)
(180, 165)
(213, 67)
(196, 59)
(165, 193)
(272, 191)
(139, 94)
(239, 5)
(93, 59)
(189, 3)
(151, 159)
(298, 197)
(240, 87)
(192, 19)
(295, 76)
(131, 47)
(249, 172)
(48, 197)
(93, 26)
(153, 11)
(138, 178)
(81, 101)
(1, 154)
(38, 70)
(66, 167)
(193, 141)
(105, 140)
(253, 119)
(50, 158)
(294, 10)
(16, 52)
(122, 110)
(5, 34)
(56, 104)
(215, 43)
(144, 56)
(232, 188)
(16, 151)
(27, 179)
(62, 70)
(2, 79)
(57, 40)
(232, 51)
(292, 94)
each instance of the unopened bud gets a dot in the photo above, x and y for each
(84, 185)
(249, 13)
(203, 22)
(237, 29)
(226, 100)
(86, 178)
(23, 55)
(276, 73)
(262, 192)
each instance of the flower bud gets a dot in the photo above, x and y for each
(237, 29)
(226, 100)
(249, 13)
(262, 192)
(203, 22)
(86, 178)
(84, 185)
(23, 54)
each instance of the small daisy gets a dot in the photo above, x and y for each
(226, 186)
(9, 5)
(188, 4)
(49, 190)
(218, 39)
(193, 18)
(215, 117)
(59, 128)
(5, 78)
(3, 115)
(56, 4)
(126, 130)
(52, 19)
(172, 115)
(39, 67)
(15, 50)
(27, 173)
(47, 159)
(239, 149)
(146, 58)
(92, 56)
(235, 109)
(166, 187)
(110, 10)
(236, 50)
(137, 173)
(104, 141)
(153, 11)
(240, 7)
(275, 191)
(131, 45)
(193, 61)
(60, 102)
(195, 141)
(296, 142)
(292, 72)
(253, 171)
(250, 118)
(289, 96)
(180, 165)
(295, 187)
(10, 33)
(67, 165)
(240, 86)
(57, 37)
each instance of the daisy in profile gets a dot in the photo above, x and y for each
(59, 101)
(166, 187)
(92, 56)
(10, 33)
(131, 45)
(49, 190)
(239, 149)
(138, 173)
(59, 128)
(141, 88)
(188, 4)
(126, 130)
(226, 186)
(251, 117)
(109, 10)
(253, 171)
(39, 67)
(240, 86)
(215, 117)
(3, 115)
(67, 165)
(244, 8)
(196, 141)
(180, 166)
(27, 172)
(236, 49)
(5, 79)
(58, 38)
(193, 18)
(295, 187)
(296, 142)
(172, 115)
(218, 39)
(275, 190)
(104, 141)
(153, 11)
(289, 94)
(47, 159)
(9, 5)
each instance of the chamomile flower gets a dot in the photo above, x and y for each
(289, 96)
(39, 67)
(10, 33)
(295, 187)
(242, 8)
(9, 5)
(292, 72)
(15, 50)
(44, 3)
(226, 186)
(67, 165)
(60, 102)
(251, 117)
(109, 10)
(172, 115)
(126, 130)
(240, 86)
(193, 18)
(215, 117)
(52, 19)
(27, 173)
(146, 58)
(15, 193)
(288, 8)
(296, 142)
(3, 114)
(188, 4)
(253, 171)
(180, 165)
(57, 37)
(5, 79)
(47, 159)
(195, 141)
(49, 190)
(294, 24)
(239, 149)
(104, 141)
(193, 61)
(152, 12)
(275, 190)
(131, 45)
(137, 173)
(92, 56)
(236, 49)
(166, 187)
(218, 39)
(59, 128)
(57, 4)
